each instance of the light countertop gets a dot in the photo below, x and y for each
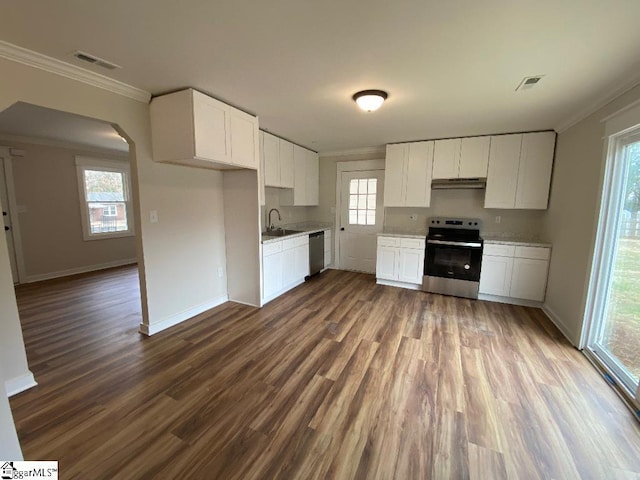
(403, 234)
(513, 240)
(302, 231)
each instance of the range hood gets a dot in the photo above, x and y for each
(451, 183)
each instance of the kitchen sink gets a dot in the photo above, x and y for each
(281, 232)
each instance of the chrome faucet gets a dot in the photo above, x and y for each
(271, 226)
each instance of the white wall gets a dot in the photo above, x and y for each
(46, 187)
(177, 268)
(9, 445)
(571, 221)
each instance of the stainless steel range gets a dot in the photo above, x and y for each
(453, 256)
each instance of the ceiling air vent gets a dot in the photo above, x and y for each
(529, 82)
(85, 57)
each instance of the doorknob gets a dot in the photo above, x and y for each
(6, 229)
(342, 229)
(4, 214)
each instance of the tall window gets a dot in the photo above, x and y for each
(105, 198)
(362, 201)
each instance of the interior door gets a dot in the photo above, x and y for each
(6, 214)
(361, 219)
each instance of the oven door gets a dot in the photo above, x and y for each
(448, 259)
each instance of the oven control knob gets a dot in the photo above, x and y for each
(467, 267)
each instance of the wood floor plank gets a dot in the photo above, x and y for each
(338, 378)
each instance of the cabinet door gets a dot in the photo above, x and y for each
(271, 275)
(243, 135)
(474, 157)
(261, 171)
(271, 155)
(300, 175)
(313, 178)
(418, 175)
(529, 279)
(289, 272)
(411, 265)
(446, 158)
(286, 163)
(211, 128)
(327, 248)
(495, 275)
(301, 261)
(387, 263)
(502, 176)
(395, 181)
(534, 175)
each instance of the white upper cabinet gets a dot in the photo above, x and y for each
(395, 176)
(534, 174)
(474, 157)
(271, 155)
(407, 181)
(502, 177)
(520, 168)
(419, 166)
(446, 158)
(461, 158)
(306, 178)
(191, 128)
(285, 150)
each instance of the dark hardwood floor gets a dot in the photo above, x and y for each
(339, 378)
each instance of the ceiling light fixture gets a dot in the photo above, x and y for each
(370, 100)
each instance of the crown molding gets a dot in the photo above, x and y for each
(598, 103)
(354, 151)
(53, 65)
(11, 140)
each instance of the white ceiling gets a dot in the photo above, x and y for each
(450, 68)
(26, 120)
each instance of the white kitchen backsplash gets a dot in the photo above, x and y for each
(467, 203)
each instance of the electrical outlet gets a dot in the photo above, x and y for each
(413, 217)
(498, 218)
(153, 216)
(220, 272)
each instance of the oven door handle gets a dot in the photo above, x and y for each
(456, 244)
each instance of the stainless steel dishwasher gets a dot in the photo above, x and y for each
(316, 253)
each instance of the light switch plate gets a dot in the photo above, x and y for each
(153, 216)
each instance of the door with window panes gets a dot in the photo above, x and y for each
(361, 219)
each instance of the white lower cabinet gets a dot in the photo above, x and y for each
(515, 271)
(327, 248)
(285, 264)
(400, 259)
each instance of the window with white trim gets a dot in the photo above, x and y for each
(362, 201)
(105, 198)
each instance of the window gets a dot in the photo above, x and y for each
(105, 198)
(362, 201)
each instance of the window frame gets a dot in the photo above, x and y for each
(103, 165)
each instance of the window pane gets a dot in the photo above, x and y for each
(373, 185)
(104, 186)
(353, 201)
(108, 217)
(363, 186)
(371, 217)
(362, 202)
(362, 217)
(371, 202)
(353, 186)
(353, 217)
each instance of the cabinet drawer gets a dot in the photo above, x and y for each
(536, 253)
(271, 248)
(412, 243)
(295, 242)
(499, 250)
(388, 242)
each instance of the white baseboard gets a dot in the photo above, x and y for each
(76, 271)
(393, 283)
(156, 327)
(558, 323)
(512, 301)
(20, 384)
